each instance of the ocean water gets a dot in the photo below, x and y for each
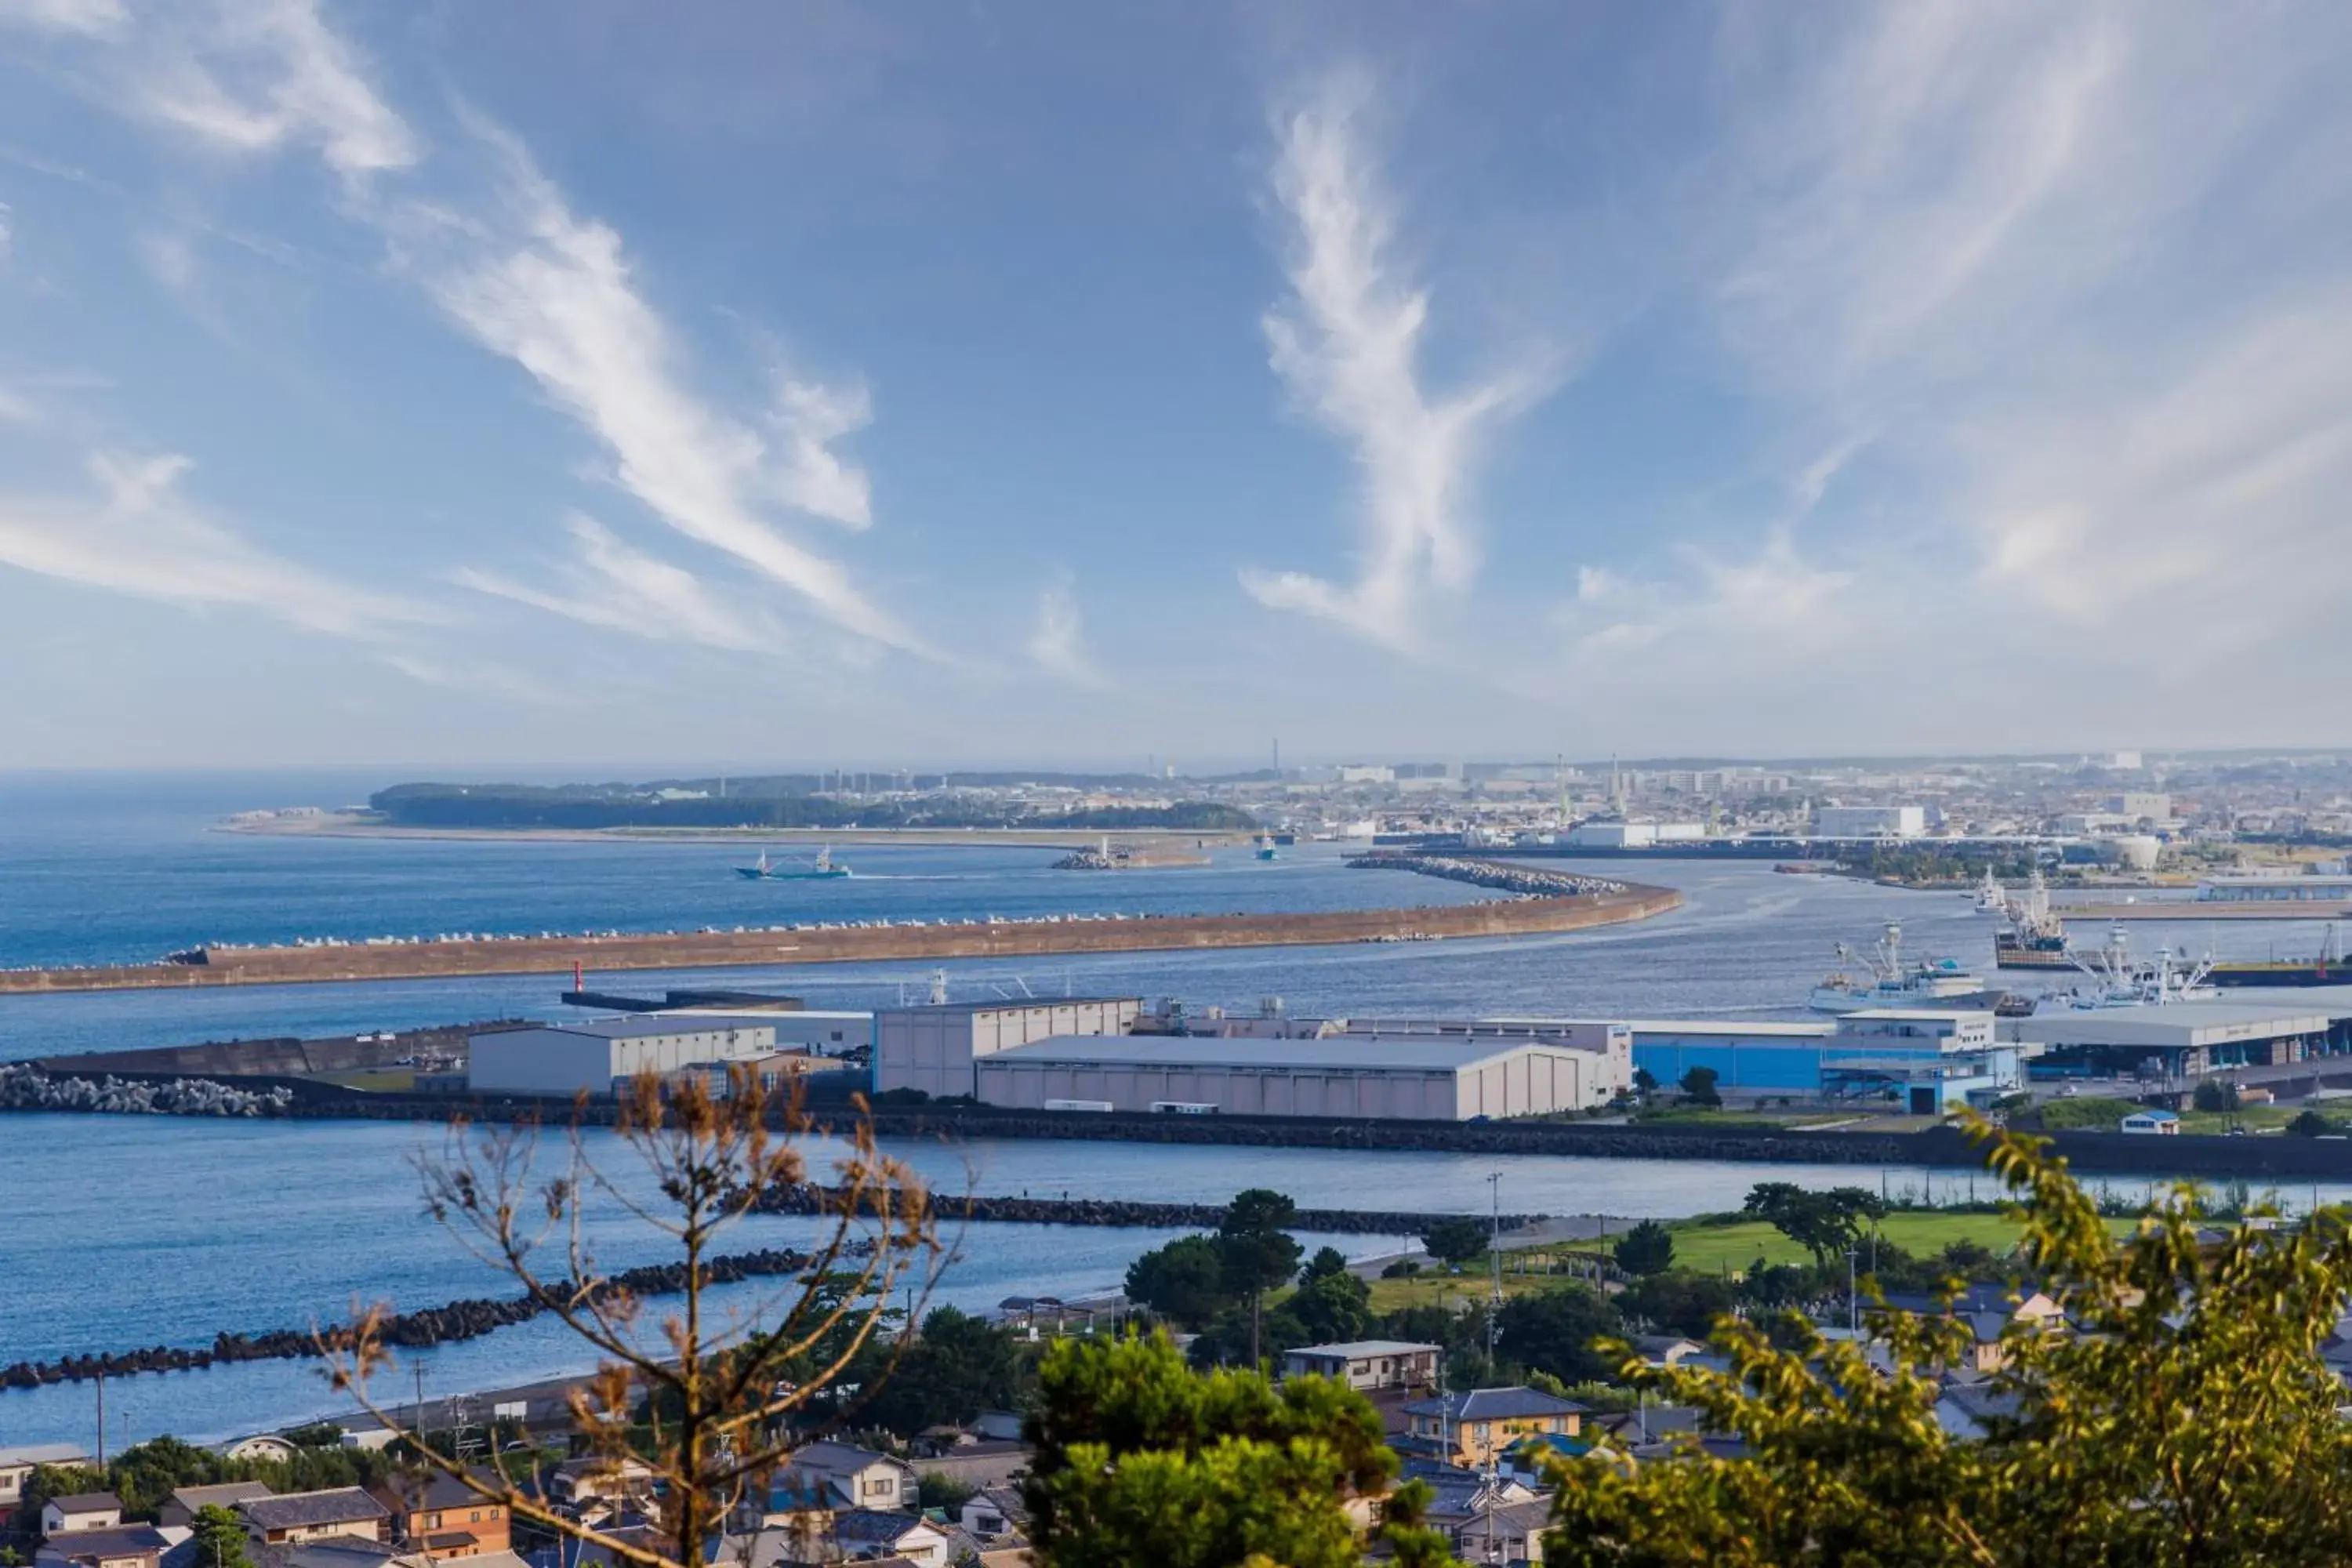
(117, 1232)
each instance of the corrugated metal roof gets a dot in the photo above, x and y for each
(1426, 1053)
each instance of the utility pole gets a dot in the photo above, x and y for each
(102, 1418)
(1852, 1296)
(1494, 1266)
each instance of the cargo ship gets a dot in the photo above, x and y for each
(2329, 967)
(2034, 938)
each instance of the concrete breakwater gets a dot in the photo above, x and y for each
(1525, 881)
(24, 1088)
(849, 944)
(429, 1326)
(807, 1199)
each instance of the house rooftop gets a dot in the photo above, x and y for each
(868, 1526)
(227, 1494)
(87, 1502)
(41, 1454)
(1494, 1404)
(831, 1455)
(299, 1510)
(1360, 1350)
(125, 1541)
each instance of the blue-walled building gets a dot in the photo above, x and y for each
(1929, 1060)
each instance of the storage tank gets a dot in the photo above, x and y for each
(2139, 851)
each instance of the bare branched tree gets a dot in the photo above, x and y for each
(726, 1395)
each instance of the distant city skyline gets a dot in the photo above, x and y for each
(517, 389)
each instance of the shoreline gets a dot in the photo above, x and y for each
(365, 825)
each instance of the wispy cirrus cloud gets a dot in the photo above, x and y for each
(256, 75)
(93, 18)
(498, 249)
(1057, 641)
(1347, 346)
(556, 294)
(612, 585)
(135, 532)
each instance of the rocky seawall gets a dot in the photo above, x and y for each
(428, 1326)
(1117, 1213)
(24, 1088)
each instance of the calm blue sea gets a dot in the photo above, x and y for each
(118, 1231)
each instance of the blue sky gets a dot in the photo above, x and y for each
(530, 384)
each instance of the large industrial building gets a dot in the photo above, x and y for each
(2274, 890)
(1423, 1077)
(597, 1055)
(932, 1050)
(1869, 821)
(2177, 1039)
(1108, 1054)
(1928, 1059)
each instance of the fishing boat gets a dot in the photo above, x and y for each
(1992, 899)
(824, 868)
(1885, 980)
(2112, 977)
(1266, 849)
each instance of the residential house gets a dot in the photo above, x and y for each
(1989, 1311)
(600, 1487)
(18, 1465)
(82, 1510)
(994, 1511)
(1502, 1533)
(844, 1476)
(861, 1534)
(179, 1508)
(299, 1516)
(121, 1546)
(444, 1517)
(1470, 1429)
(1365, 1365)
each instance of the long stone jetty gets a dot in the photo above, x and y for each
(420, 1328)
(1131, 1213)
(851, 943)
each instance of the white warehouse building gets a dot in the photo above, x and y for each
(1453, 1077)
(1869, 821)
(933, 1048)
(598, 1054)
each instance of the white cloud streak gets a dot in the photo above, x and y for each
(136, 533)
(556, 294)
(1058, 642)
(91, 18)
(252, 76)
(1347, 345)
(517, 271)
(616, 586)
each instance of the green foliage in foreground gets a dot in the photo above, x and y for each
(2192, 1422)
(1140, 1460)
